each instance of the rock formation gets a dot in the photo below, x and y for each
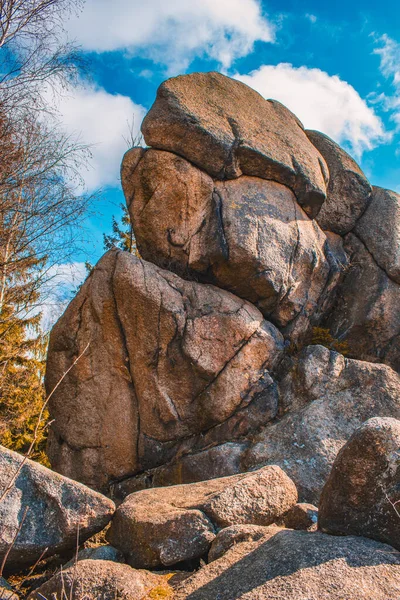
(253, 233)
(242, 365)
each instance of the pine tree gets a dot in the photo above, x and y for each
(122, 234)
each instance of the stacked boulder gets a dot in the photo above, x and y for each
(251, 233)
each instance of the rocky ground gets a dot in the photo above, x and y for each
(231, 427)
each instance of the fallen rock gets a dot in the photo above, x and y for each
(349, 191)
(248, 236)
(227, 129)
(299, 565)
(46, 510)
(302, 516)
(367, 311)
(379, 230)
(100, 553)
(362, 494)
(170, 363)
(237, 534)
(101, 579)
(326, 398)
(6, 591)
(164, 526)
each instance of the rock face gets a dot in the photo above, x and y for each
(46, 509)
(227, 129)
(247, 235)
(362, 494)
(379, 230)
(325, 399)
(298, 565)
(349, 191)
(168, 360)
(367, 311)
(162, 527)
(101, 579)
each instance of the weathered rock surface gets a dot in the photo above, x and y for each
(228, 129)
(164, 526)
(379, 230)
(47, 510)
(302, 516)
(348, 191)
(238, 534)
(248, 236)
(99, 553)
(367, 310)
(327, 397)
(168, 360)
(362, 494)
(299, 565)
(95, 579)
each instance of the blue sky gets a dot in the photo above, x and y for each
(335, 64)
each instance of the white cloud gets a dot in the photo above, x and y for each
(311, 18)
(321, 102)
(100, 120)
(389, 52)
(173, 32)
(62, 281)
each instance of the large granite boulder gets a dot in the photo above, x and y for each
(298, 565)
(349, 191)
(164, 526)
(247, 235)
(366, 315)
(227, 129)
(324, 399)
(43, 513)
(170, 363)
(362, 494)
(379, 230)
(105, 580)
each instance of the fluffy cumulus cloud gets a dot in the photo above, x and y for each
(389, 53)
(104, 122)
(173, 32)
(321, 102)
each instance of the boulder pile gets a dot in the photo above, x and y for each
(235, 386)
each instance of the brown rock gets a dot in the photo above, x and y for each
(299, 565)
(238, 534)
(228, 130)
(247, 235)
(6, 591)
(95, 579)
(45, 509)
(379, 230)
(362, 494)
(302, 516)
(349, 191)
(327, 397)
(367, 312)
(163, 526)
(172, 358)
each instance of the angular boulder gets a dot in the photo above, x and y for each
(366, 315)
(45, 512)
(247, 235)
(299, 565)
(362, 494)
(164, 526)
(167, 360)
(349, 191)
(102, 579)
(326, 398)
(227, 129)
(379, 230)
